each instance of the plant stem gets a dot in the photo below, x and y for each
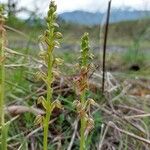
(83, 86)
(2, 77)
(46, 125)
(2, 87)
(49, 97)
(83, 123)
(50, 38)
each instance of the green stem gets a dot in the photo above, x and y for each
(50, 37)
(84, 63)
(2, 77)
(2, 87)
(4, 137)
(49, 97)
(83, 124)
(82, 130)
(46, 125)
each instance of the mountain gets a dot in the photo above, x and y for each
(117, 15)
(82, 17)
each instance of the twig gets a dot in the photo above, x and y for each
(121, 94)
(73, 136)
(118, 116)
(137, 116)
(104, 46)
(19, 32)
(18, 109)
(39, 128)
(15, 30)
(8, 50)
(111, 124)
(103, 137)
(32, 144)
(17, 65)
(130, 108)
(34, 93)
(13, 119)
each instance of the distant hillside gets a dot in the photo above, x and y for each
(88, 18)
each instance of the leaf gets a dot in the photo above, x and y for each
(41, 100)
(55, 25)
(92, 102)
(48, 42)
(77, 104)
(90, 123)
(38, 120)
(2, 59)
(58, 35)
(57, 104)
(56, 73)
(45, 104)
(41, 75)
(59, 61)
(56, 44)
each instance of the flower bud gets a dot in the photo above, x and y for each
(58, 35)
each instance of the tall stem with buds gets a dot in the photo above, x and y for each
(83, 105)
(50, 39)
(2, 81)
(84, 68)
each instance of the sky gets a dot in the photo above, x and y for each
(87, 5)
(100, 5)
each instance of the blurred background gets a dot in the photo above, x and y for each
(129, 30)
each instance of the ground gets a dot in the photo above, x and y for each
(122, 115)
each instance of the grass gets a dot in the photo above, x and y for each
(134, 55)
(3, 143)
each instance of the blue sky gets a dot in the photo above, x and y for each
(88, 5)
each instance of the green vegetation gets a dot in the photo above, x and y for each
(3, 144)
(62, 107)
